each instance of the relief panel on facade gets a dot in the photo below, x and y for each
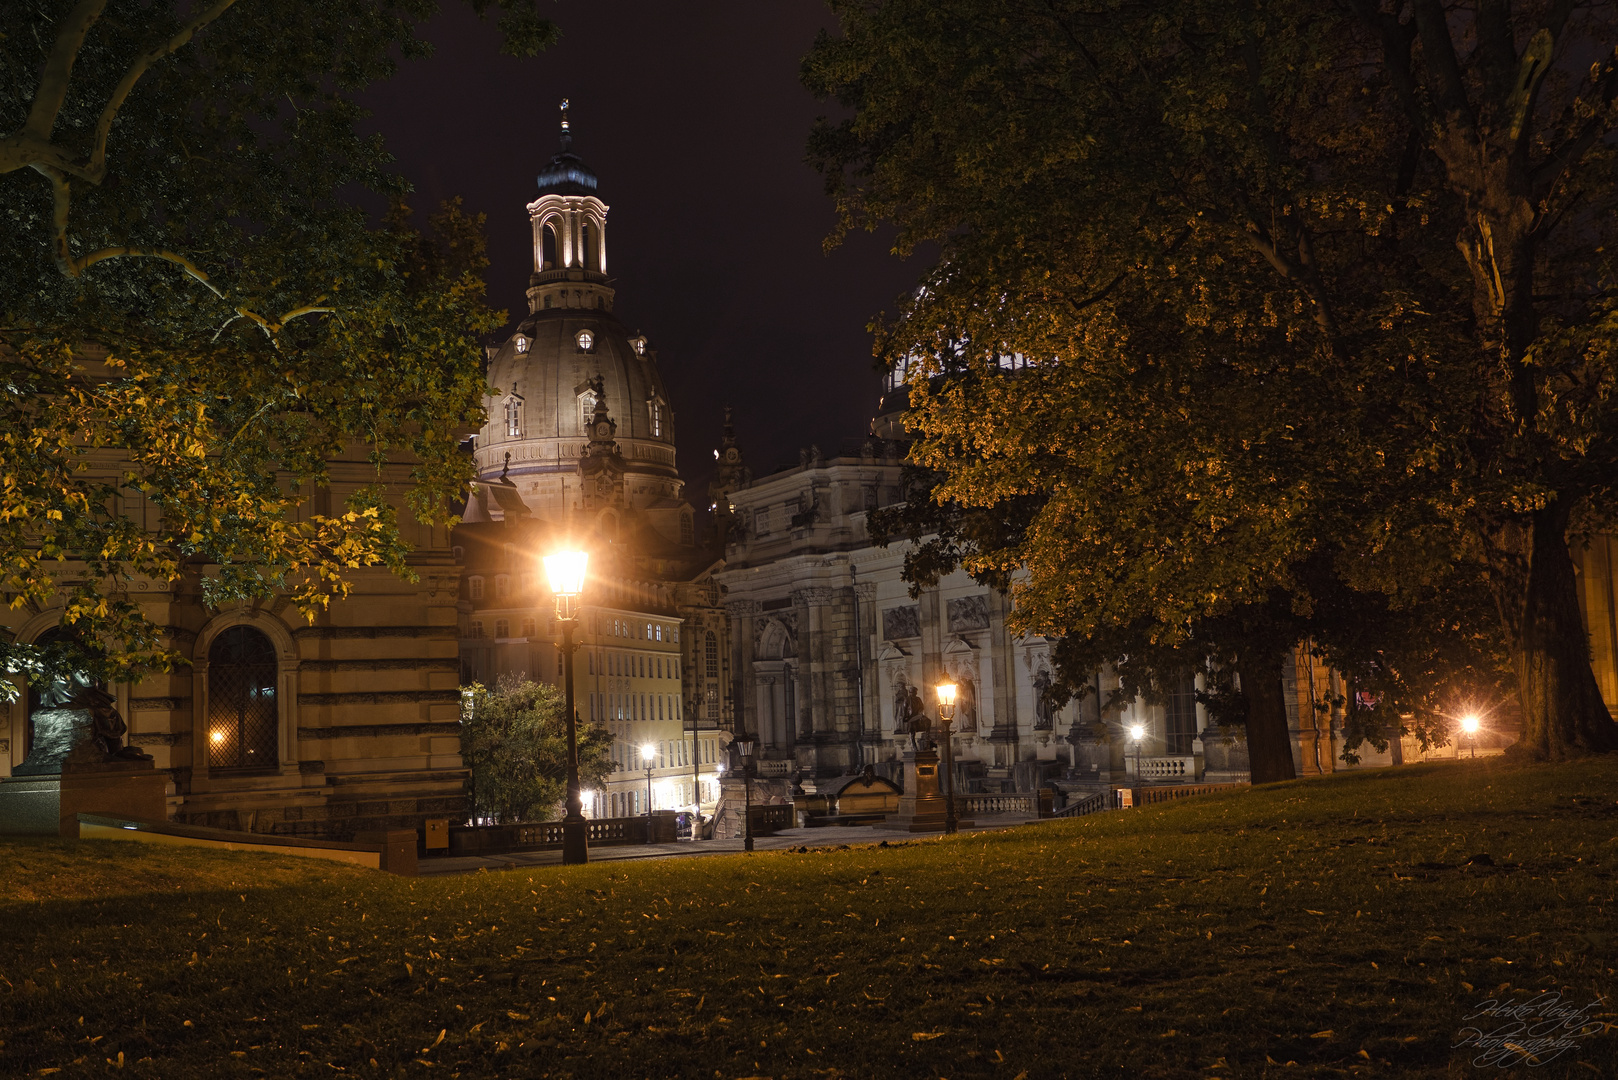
(899, 623)
(968, 613)
(775, 636)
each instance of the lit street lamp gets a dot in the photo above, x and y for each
(566, 572)
(946, 713)
(1137, 732)
(744, 744)
(647, 753)
(1469, 724)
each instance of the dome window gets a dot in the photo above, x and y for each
(513, 418)
(586, 340)
(639, 345)
(521, 343)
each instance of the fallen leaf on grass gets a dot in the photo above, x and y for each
(1312, 911)
(1328, 1033)
(515, 1016)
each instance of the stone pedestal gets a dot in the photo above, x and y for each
(921, 807)
(125, 788)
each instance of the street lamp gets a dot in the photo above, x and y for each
(647, 753)
(566, 572)
(1469, 724)
(1137, 732)
(744, 744)
(946, 713)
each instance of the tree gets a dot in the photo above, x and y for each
(514, 739)
(196, 310)
(1299, 298)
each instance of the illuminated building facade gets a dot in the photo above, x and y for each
(579, 450)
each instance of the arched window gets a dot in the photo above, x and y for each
(243, 720)
(592, 246)
(547, 247)
(687, 534)
(648, 631)
(657, 418)
(712, 649)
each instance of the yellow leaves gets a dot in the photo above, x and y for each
(925, 1036)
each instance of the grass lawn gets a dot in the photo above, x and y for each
(1316, 928)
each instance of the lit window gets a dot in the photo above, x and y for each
(586, 340)
(659, 631)
(521, 343)
(587, 408)
(657, 419)
(513, 417)
(474, 588)
(648, 632)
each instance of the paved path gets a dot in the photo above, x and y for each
(826, 837)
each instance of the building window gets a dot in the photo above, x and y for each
(713, 701)
(548, 300)
(712, 654)
(477, 628)
(761, 523)
(521, 343)
(474, 588)
(526, 583)
(659, 632)
(648, 631)
(1180, 717)
(513, 417)
(528, 628)
(657, 419)
(243, 720)
(502, 586)
(687, 533)
(587, 409)
(502, 628)
(586, 340)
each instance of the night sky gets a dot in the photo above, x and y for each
(694, 118)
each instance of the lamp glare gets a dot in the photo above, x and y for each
(566, 569)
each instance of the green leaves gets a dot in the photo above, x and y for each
(198, 319)
(514, 739)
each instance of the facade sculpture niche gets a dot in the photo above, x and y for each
(901, 623)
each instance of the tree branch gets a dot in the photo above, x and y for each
(97, 165)
(1438, 53)
(53, 79)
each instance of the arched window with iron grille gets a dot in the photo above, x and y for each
(243, 718)
(713, 655)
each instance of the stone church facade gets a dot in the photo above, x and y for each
(579, 451)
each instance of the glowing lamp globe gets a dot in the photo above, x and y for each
(1469, 724)
(947, 692)
(647, 753)
(1137, 732)
(566, 569)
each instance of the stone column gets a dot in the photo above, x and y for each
(742, 614)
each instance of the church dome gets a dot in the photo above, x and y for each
(541, 403)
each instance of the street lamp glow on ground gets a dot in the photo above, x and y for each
(946, 713)
(647, 753)
(566, 570)
(1470, 725)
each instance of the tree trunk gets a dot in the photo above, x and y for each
(1563, 713)
(1269, 740)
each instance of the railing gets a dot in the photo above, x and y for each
(1166, 768)
(1090, 804)
(543, 835)
(768, 769)
(1018, 802)
(1145, 796)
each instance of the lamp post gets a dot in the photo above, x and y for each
(647, 753)
(566, 569)
(744, 747)
(1469, 724)
(946, 713)
(1137, 732)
